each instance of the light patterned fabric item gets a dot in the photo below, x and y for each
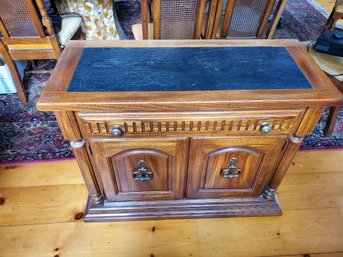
(69, 27)
(97, 16)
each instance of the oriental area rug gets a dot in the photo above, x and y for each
(29, 135)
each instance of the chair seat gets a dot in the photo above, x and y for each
(332, 65)
(70, 24)
(138, 31)
(339, 6)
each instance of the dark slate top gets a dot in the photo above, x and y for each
(186, 69)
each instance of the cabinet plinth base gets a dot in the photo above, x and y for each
(185, 208)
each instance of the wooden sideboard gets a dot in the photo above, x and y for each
(171, 129)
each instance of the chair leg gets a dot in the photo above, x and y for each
(333, 18)
(33, 64)
(331, 121)
(14, 73)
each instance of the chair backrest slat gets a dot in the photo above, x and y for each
(157, 19)
(145, 13)
(266, 18)
(230, 7)
(213, 6)
(200, 14)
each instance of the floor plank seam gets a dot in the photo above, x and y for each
(304, 254)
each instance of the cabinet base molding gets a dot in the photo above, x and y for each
(185, 208)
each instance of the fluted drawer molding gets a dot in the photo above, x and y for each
(97, 124)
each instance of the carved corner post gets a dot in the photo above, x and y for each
(309, 122)
(70, 130)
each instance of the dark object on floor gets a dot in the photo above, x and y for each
(330, 42)
(331, 61)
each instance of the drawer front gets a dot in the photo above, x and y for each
(222, 167)
(141, 169)
(276, 122)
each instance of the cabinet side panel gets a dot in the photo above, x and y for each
(309, 121)
(291, 149)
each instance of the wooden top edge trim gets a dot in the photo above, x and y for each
(180, 43)
(76, 101)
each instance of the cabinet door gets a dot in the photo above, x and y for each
(222, 166)
(141, 169)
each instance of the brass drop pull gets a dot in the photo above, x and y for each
(142, 173)
(117, 131)
(232, 171)
(265, 128)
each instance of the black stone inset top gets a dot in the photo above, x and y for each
(186, 69)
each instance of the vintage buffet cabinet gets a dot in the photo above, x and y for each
(174, 129)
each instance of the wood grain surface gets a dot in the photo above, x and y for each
(34, 220)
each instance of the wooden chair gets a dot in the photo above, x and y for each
(336, 14)
(244, 18)
(172, 19)
(214, 18)
(24, 38)
(331, 65)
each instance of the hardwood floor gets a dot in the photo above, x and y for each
(327, 4)
(42, 205)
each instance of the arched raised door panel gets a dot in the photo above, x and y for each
(141, 169)
(222, 167)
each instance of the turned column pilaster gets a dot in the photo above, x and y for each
(290, 151)
(87, 171)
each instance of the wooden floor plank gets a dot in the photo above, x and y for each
(50, 173)
(44, 204)
(48, 204)
(331, 254)
(317, 162)
(67, 172)
(306, 190)
(59, 203)
(298, 231)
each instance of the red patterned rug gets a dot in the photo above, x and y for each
(29, 135)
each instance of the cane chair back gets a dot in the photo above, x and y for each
(24, 24)
(27, 34)
(22, 30)
(173, 19)
(242, 18)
